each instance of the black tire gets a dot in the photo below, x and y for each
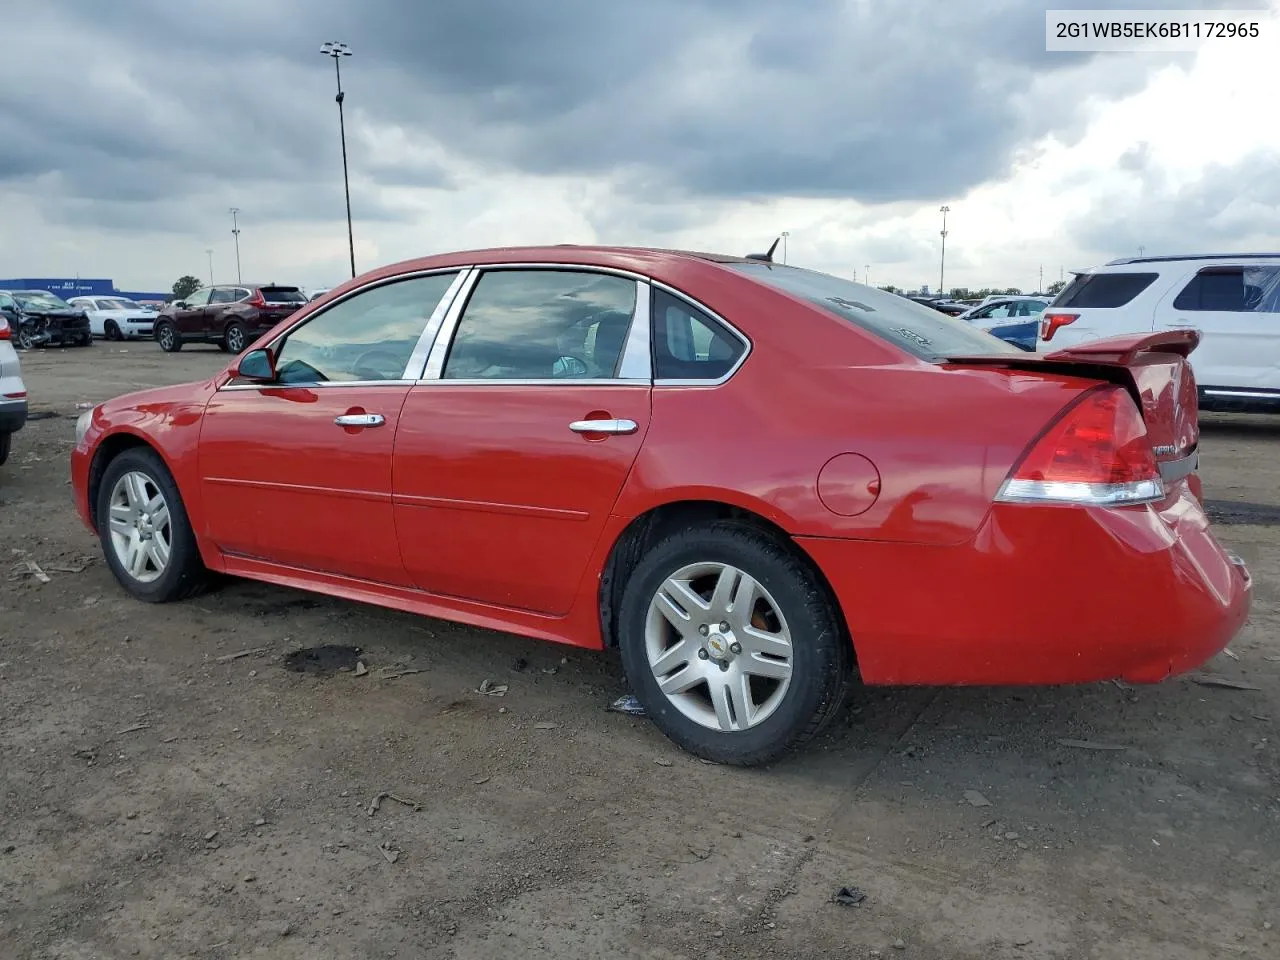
(168, 337)
(822, 654)
(235, 338)
(85, 341)
(185, 575)
(25, 340)
(6, 444)
(111, 331)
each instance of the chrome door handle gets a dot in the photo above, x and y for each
(603, 426)
(360, 420)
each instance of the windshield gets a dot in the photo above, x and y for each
(120, 303)
(39, 300)
(920, 330)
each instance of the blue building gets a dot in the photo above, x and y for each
(80, 287)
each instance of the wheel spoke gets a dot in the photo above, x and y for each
(134, 489)
(136, 558)
(121, 520)
(758, 666)
(682, 681)
(679, 603)
(755, 640)
(732, 701)
(159, 511)
(722, 595)
(677, 656)
(158, 547)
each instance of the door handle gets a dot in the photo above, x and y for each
(360, 420)
(603, 426)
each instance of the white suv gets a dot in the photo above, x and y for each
(1232, 299)
(13, 394)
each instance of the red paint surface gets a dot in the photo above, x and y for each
(478, 504)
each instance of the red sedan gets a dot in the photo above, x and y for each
(750, 478)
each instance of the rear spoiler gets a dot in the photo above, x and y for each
(1120, 351)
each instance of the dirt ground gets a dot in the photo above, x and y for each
(160, 800)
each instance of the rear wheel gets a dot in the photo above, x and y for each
(235, 339)
(111, 330)
(168, 337)
(146, 537)
(6, 444)
(25, 340)
(731, 643)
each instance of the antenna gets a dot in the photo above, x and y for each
(766, 257)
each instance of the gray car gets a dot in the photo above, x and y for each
(13, 392)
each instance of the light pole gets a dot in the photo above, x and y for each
(235, 232)
(785, 234)
(209, 251)
(866, 274)
(1142, 251)
(942, 264)
(338, 51)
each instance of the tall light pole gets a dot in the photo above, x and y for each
(209, 251)
(1142, 251)
(338, 51)
(785, 234)
(866, 274)
(942, 264)
(235, 232)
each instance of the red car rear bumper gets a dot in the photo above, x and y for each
(1043, 595)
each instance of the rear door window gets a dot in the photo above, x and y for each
(1232, 290)
(921, 331)
(688, 344)
(222, 295)
(1103, 290)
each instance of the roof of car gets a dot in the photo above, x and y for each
(1171, 258)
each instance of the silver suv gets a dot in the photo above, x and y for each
(13, 393)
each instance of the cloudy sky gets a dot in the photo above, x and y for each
(131, 127)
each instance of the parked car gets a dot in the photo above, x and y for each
(38, 318)
(317, 294)
(13, 392)
(229, 315)
(116, 318)
(744, 475)
(1013, 319)
(1233, 299)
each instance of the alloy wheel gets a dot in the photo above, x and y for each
(140, 526)
(719, 646)
(235, 339)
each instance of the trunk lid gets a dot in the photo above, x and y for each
(1153, 367)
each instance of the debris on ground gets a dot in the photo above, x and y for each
(361, 669)
(1092, 745)
(975, 799)
(1228, 651)
(134, 729)
(899, 944)
(388, 854)
(491, 688)
(1213, 680)
(323, 661)
(376, 802)
(663, 763)
(397, 674)
(546, 725)
(629, 705)
(848, 897)
(29, 568)
(227, 658)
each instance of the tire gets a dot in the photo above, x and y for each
(184, 574)
(168, 337)
(6, 444)
(111, 331)
(25, 340)
(85, 341)
(821, 655)
(235, 338)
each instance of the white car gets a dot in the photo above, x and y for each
(13, 392)
(116, 318)
(1001, 308)
(1232, 299)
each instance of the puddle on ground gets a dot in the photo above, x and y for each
(323, 661)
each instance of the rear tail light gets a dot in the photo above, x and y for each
(1051, 322)
(1096, 454)
(257, 300)
(5, 332)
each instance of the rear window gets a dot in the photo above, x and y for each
(283, 295)
(920, 330)
(1103, 290)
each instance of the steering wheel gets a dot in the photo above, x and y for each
(368, 361)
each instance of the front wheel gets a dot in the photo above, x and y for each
(25, 340)
(111, 331)
(168, 337)
(145, 533)
(732, 644)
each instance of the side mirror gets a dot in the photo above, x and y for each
(180, 304)
(257, 365)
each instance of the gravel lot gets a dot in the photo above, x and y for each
(160, 800)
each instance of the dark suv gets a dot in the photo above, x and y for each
(230, 315)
